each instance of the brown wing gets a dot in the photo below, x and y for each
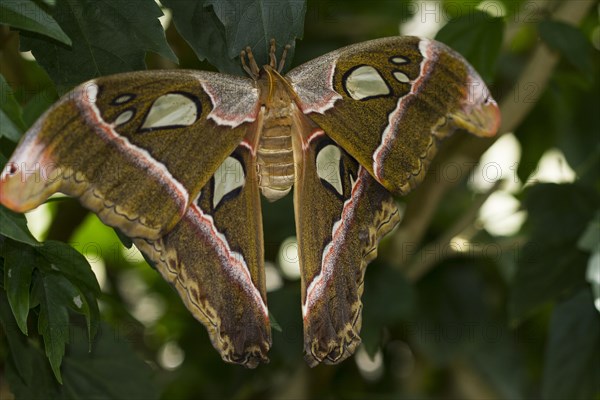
(135, 148)
(214, 258)
(389, 101)
(341, 214)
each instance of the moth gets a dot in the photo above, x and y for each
(177, 161)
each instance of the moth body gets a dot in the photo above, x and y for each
(275, 157)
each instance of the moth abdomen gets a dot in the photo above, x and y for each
(275, 156)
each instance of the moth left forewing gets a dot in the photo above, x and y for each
(388, 102)
(341, 214)
(135, 148)
(214, 259)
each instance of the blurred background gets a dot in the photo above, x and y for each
(488, 289)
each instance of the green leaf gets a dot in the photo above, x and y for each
(478, 37)
(457, 321)
(38, 104)
(71, 263)
(289, 319)
(110, 371)
(14, 226)
(590, 239)
(573, 351)
(538, 132)
(452, 315)
(580, 124)
(388, 299)
(9, 103)
(27, 15)
(53, 292)
(63, 280)
(558, 212)
(109, 36)
(39, 384)
(92, 315)
(9, 129)
(570, 42)
(498, 361)
(19, 263)
(202, 30)
(388, 296)
(75, 267)
(17, 342)
(550, 265)
(255, 22)
(11, 121)
(274, 324)
(219, 30)
(565, 117)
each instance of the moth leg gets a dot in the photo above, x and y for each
(283, 56)
(272, 56)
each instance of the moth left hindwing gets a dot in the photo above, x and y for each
(214, 258)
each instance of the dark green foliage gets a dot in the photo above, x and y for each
(458, 318)
(57, 278)
(13, 225)
(388, 299)
(477, 36)
(550, 264)
(570, 42)
(219, 30)
(573, 350)
(498, 320)
(11, 120)
(564, 118)
(107, 37)
(29, 16)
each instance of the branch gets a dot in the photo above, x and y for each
(467, 150)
